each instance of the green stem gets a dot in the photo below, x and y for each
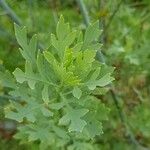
(84, 12)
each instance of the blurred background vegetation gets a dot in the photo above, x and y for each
(126, 46)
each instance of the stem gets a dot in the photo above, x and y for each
(124, 121)
(84, 12)
(30, 4)
(102, 25)
(10, 12)
(102, 21)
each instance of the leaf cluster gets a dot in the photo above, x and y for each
(56, 103)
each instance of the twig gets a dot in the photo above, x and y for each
(30, 3)
(124, 121)
(102, 25)
(84, 12)
(102, 21)
(10, 12)
(15, 18)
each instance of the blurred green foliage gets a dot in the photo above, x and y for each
(126, 47)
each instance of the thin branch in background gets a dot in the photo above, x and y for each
(12, 15)
(113, 94)
(15, 18)
(129, 133)
(103, 41)
(102, 21)
(30, 4)
(102, 24)
(84, 12)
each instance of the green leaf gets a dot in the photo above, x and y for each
(50, 58)
(105, 80)
(38, 133)
(93, 127)
(91, 34)
(28, 76)
(95, 74)
(27, 111)
(68, 57)
(45, 71)
(60, 132)
(21, 36)
(7, 80)
(62, 29)
(65, 37)
(98, 112)
(84, 62)
(69, 39)
(101, 91)
(28, 51)
(45, 94)
(77, 92)
(22, 112)
(57, 106)
(46, 112)
(74, 117)
(50, 85)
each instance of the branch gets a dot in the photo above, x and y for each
(84, 12)
(10, 12)
(14, 17)
(102, 37)
(124, 122)
(30, 3)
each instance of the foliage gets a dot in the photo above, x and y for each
(55, 90)
(125, 46)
